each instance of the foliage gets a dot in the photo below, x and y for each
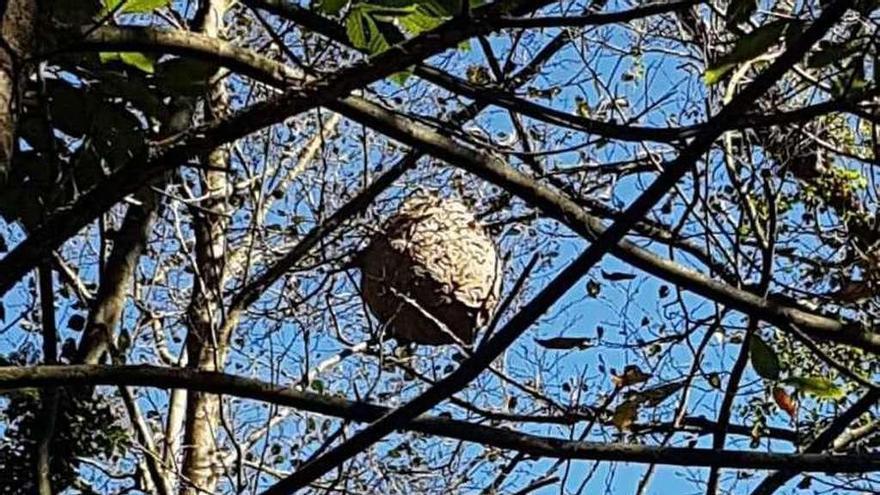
(75, 436)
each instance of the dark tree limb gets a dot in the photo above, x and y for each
(177, 150)
(49, 395)
(533, 445)
(775, 309)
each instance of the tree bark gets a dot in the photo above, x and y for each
(208, 337)
(17, 43)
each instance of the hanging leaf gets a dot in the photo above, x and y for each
(420, 20)
(746, 48)
(763, 358)
(817, 386)
(631, 375)
(566, 343)
(785, 402)
(625, 415)
(400, 78)
(354, 27)
(654, 396)
(617, 276)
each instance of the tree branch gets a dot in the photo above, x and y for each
(774, 309)
(534, 445)
(176, 150)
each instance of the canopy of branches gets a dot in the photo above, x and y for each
(681, 193)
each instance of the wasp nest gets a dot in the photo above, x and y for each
(430, 272)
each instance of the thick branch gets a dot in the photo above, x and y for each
(174, 151)
(538, 446)
(775, 309)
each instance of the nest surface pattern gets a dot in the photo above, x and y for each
(432, 270)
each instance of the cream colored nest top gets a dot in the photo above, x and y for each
(431, 266)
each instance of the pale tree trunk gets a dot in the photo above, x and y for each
(208, 338)
(18, 26)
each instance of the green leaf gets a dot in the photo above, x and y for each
(400, 78)
(746, 48)
(354, 27)
(137, 60)
(764, 359)
(817, 386)
(317, 386)
(377, 42)
(420, 20)
(134, 6)
(713, 75)
(331, 7)
(440, 8)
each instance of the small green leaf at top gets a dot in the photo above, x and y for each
(400, 78)
(134, 6)
(355, 27)
(420, 20)
(330, 7)
(817, 386)
(764, 359)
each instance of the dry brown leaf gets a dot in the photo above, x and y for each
(785, 402)
(631, 375)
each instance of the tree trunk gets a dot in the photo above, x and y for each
(208, 337)
(18, 22)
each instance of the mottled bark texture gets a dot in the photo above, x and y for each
(207, 338)
(16, 44)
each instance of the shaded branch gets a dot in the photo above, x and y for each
(534, 445)
(774, 309)
(177, 150)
